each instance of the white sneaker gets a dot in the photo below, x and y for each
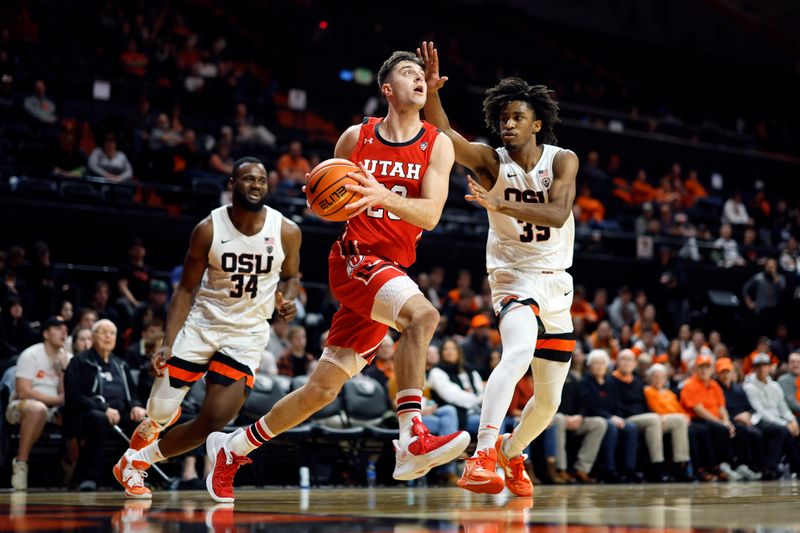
(224, 465)
(425, 451)
(19, 475)
(730, 472)
(748, 474)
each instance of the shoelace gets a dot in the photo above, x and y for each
(422, 432)
(146, 430)
(226, 472)
(135, 474)
(517, 466)
(482, 458)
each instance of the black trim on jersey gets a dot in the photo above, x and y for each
(398, 145)
(183, 364)
(506, 307)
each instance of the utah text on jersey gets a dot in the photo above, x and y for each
(393, 169)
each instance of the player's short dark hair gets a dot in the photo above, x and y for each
(244, 161)
(536, 96)
(394, 59)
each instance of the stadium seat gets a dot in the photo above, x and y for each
(267, 390)
(119, 195)
(80, 192)
(38, 189)
(368, 406)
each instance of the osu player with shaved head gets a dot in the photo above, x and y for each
(406, 165)
(527, 187)
(238, 257)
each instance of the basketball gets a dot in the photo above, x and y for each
(325, 189)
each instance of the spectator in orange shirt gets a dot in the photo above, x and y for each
(292, 166)
(662, 401)
(694, 189)
(133, 60)
(703, 399)
(641, 190)
(591, 210)
(603, 339)
(581, 308)
(761, 347)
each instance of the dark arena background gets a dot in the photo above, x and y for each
(119, 125)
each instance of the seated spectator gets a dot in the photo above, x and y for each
(603, 339)
(220, 160)
(599, 397)
(591, 428)
(591, 209)
(695, 349)
(694, 189)
(70, 161)
(663, 402)
(81, 340)
(622, 310)
(581, 308)
(734, 211)
(647, 322)
(382, 367)
(462, 288)
(771, 412)
(99, 395)
(727, 248)
(790, 383)
(17, 331)
(133, 60)
(110, 163)
(279, 336)
(162, 136)
(38, 394)
(782, 346)
(703, 399)
(134, 279)
(459, 316)
(247, 131)
(137, 355)
(477, 347)
(102, 293)
(641, 190)
(633, 409)
(39, 106)
(789, 260)
(296, 361)
(758, 451)
(762, 346)
(292, 166)
(452, 384)
(154, 309)
(600, 303)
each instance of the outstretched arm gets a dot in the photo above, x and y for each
(552, 214)
(424, 211)
(478, 157)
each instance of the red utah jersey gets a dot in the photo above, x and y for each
(400, 167)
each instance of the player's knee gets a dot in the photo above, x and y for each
(318, 395)
(424, 318)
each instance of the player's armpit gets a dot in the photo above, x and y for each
(347, 142)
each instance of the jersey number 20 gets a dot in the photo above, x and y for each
(531, 233)
(240, 286)
(378, 212)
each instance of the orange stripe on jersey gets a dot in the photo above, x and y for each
(184, 375)
(556, 344)
(232, 373)
(535, 309)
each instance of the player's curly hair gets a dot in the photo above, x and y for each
(393, 60)
(537, 96)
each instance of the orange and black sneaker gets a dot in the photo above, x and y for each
(517, 479)
(148, 431)
(480, 473)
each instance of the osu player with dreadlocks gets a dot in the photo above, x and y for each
(527, 186)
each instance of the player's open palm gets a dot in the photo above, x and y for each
(479, 195)
(430, 55)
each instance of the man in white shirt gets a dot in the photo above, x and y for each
(39, 393)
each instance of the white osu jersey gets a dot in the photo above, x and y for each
(515, 244)
(238, 287)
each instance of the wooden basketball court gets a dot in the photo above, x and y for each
(674, 507)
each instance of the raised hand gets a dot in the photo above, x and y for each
(430, 55)
(479, 195)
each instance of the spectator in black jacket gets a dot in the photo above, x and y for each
(570, 418)
(759, 449)
(599, 397)
(633, 408)
(100, 394)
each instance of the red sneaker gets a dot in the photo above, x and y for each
(425, 451)
(517, 479)
(148, 431)
(480, 473)
(130, 474)
(224, 464)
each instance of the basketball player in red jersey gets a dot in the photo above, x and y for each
(527, 187)
(406, 165)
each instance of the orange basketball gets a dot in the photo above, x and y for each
(325, 189)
